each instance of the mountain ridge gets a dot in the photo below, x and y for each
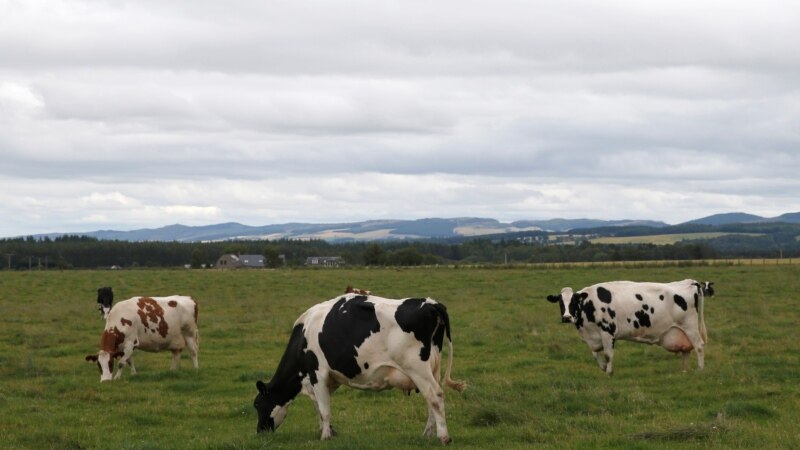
(394, 229)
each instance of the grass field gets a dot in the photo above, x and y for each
(664, 239)
(532, 382)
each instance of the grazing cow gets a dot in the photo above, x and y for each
(668, 314)
(151, 324)
(105, 297)
(365, 342)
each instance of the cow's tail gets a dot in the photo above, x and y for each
(701, 301)
(457, 385)
(701, 319)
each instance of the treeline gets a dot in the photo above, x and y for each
(82, 252)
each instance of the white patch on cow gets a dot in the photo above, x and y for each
(279, 413)
(566, 298)
(104, 361)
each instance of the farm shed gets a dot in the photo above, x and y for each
(231, 261)
(324, 261)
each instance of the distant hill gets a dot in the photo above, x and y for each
(388, 230)
(355, 231)
(574, 224)
(740, 217)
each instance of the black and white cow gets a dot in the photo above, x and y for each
(667, 314)
(105, 297)
(365, 342)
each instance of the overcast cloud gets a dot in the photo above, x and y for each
(130, 114)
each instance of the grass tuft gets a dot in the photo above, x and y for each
(747, 410)
(693, 432)
(486, 418)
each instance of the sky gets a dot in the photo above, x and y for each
(122, 115)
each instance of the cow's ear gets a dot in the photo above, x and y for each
(118, 355)
(91, 358)
(261, 387)
(553, 298)
(583, 295)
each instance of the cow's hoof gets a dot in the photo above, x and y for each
(446, 440)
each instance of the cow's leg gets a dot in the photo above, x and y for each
(685, 361)
(608, 352)
(308, 390)
(431, 424)
(322, 400)
(176, 359)
(699, 347)
(601, 359)
(127, 353)
(429, 387)
(130, 363)
(194, 348)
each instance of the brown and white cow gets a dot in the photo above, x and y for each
(365, 342)
(667, 314)
(152, 324)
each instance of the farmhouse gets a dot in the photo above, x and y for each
(231, 261)
(324, 261)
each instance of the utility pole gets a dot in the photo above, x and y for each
(9, 259)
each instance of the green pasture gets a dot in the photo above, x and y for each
(665, 239)
(532, 382)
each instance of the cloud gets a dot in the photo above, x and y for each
(129, 114)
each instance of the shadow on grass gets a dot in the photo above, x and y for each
(693, 432)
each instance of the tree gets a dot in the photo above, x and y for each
(197, 258)
(272, 256)
(374, 255)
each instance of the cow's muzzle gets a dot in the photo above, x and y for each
(566, 319)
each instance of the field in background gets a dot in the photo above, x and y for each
(533, 382)
(664, 239)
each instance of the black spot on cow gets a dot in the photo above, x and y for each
(680, 301)
(612, 313)
(589, 310)
(310, 364)
(348, 324)
(575, 306)
(635, 324)
(603, 309)
(645, 307)
(603, 294)
(661, 297)
(639, 297)
(652, 310)
(629, 320)
(427, 321)
(644, 318)
(366, 366)
(610, 328)
(697, 303)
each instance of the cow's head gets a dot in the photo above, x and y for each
(105, 361)
(105, 297)
(272, 406)
(708, 288)
(569, 302)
